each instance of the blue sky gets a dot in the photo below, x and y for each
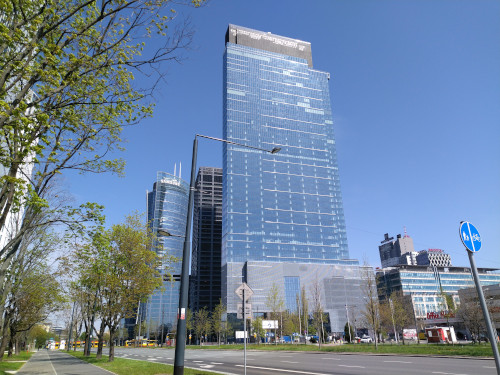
(415, 89)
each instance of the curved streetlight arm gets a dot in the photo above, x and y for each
(273, 151)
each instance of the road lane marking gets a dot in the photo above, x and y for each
(152, 359)
(283, 370)
(206, 366)
(447, 373)
(483, 366)
(289, 362)
(198, 361)
(332, 359)
(216, 363)
(397, 362)
(351, 366)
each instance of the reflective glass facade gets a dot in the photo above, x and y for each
(167, 210)
(424, 284)
(284, 207)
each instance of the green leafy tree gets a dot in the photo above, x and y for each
(349, 333)
(275, 304)
(67, 89)
(124, 269)
(39, 336)
(216, 319)
(202, 324)
(257, 329)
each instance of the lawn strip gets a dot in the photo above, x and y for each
(14, 363)
(121, 366)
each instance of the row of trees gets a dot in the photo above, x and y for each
(67, 90)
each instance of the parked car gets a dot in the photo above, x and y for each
(366, 339)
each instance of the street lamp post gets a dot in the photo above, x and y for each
(180, 345)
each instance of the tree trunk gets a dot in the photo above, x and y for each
(18, 346)
(111, 357)
(100, 338)
(86, 348)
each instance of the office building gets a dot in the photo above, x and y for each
(281, 212)
(433, 257)
(205, 288)
(393, 252)
(167, 211)
(426, 285)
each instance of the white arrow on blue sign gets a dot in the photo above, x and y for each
(470, 236)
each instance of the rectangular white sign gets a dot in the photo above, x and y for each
(270, 324)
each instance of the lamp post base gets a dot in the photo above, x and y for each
(178, 370)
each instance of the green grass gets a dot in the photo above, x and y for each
(122, 366)
(469, 350)
(11, 364)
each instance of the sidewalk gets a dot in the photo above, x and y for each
(45, 362)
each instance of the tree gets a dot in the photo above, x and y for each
(275, 304)
(371, 312)
(202, 323)
(349, 333)
(67, 89)
(39, 335)
(124, 268)
(472, 315)
(216, 319)
(318, 312)
(397, 313)
(257, 329)
(189, 324)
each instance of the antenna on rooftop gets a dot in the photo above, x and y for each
(406, 234)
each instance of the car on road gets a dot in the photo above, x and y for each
(366, 339)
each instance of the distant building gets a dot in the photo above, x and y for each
(425, 283)
(434, 257)
(167, 211)
(205, 290)
(391, 250)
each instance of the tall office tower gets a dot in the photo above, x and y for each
(205, 290)
(280, 210)
(167, 211)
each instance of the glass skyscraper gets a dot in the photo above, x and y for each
(167, 210)
(205, 288)
(285, 207)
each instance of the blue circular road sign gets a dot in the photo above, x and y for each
(470, 236)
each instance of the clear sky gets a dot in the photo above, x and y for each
(415, 90)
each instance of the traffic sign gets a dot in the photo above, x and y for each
(248, 310)
(246, 288)
(470, 236)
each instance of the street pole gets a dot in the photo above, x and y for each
(244, 335)
(180, 344)
(486, 315)
(393, 324)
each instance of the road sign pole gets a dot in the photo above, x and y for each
(244, 334)
(486, 315)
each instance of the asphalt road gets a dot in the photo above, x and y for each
(310, 363)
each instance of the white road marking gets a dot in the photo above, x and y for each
(217, 363)
(447, 373)
(152, 359)
(206, 366)
(288, 362)
(332, 359)
(483, 366)
(397, 362)
(198, 361)
(283, 370)
(351, 366)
